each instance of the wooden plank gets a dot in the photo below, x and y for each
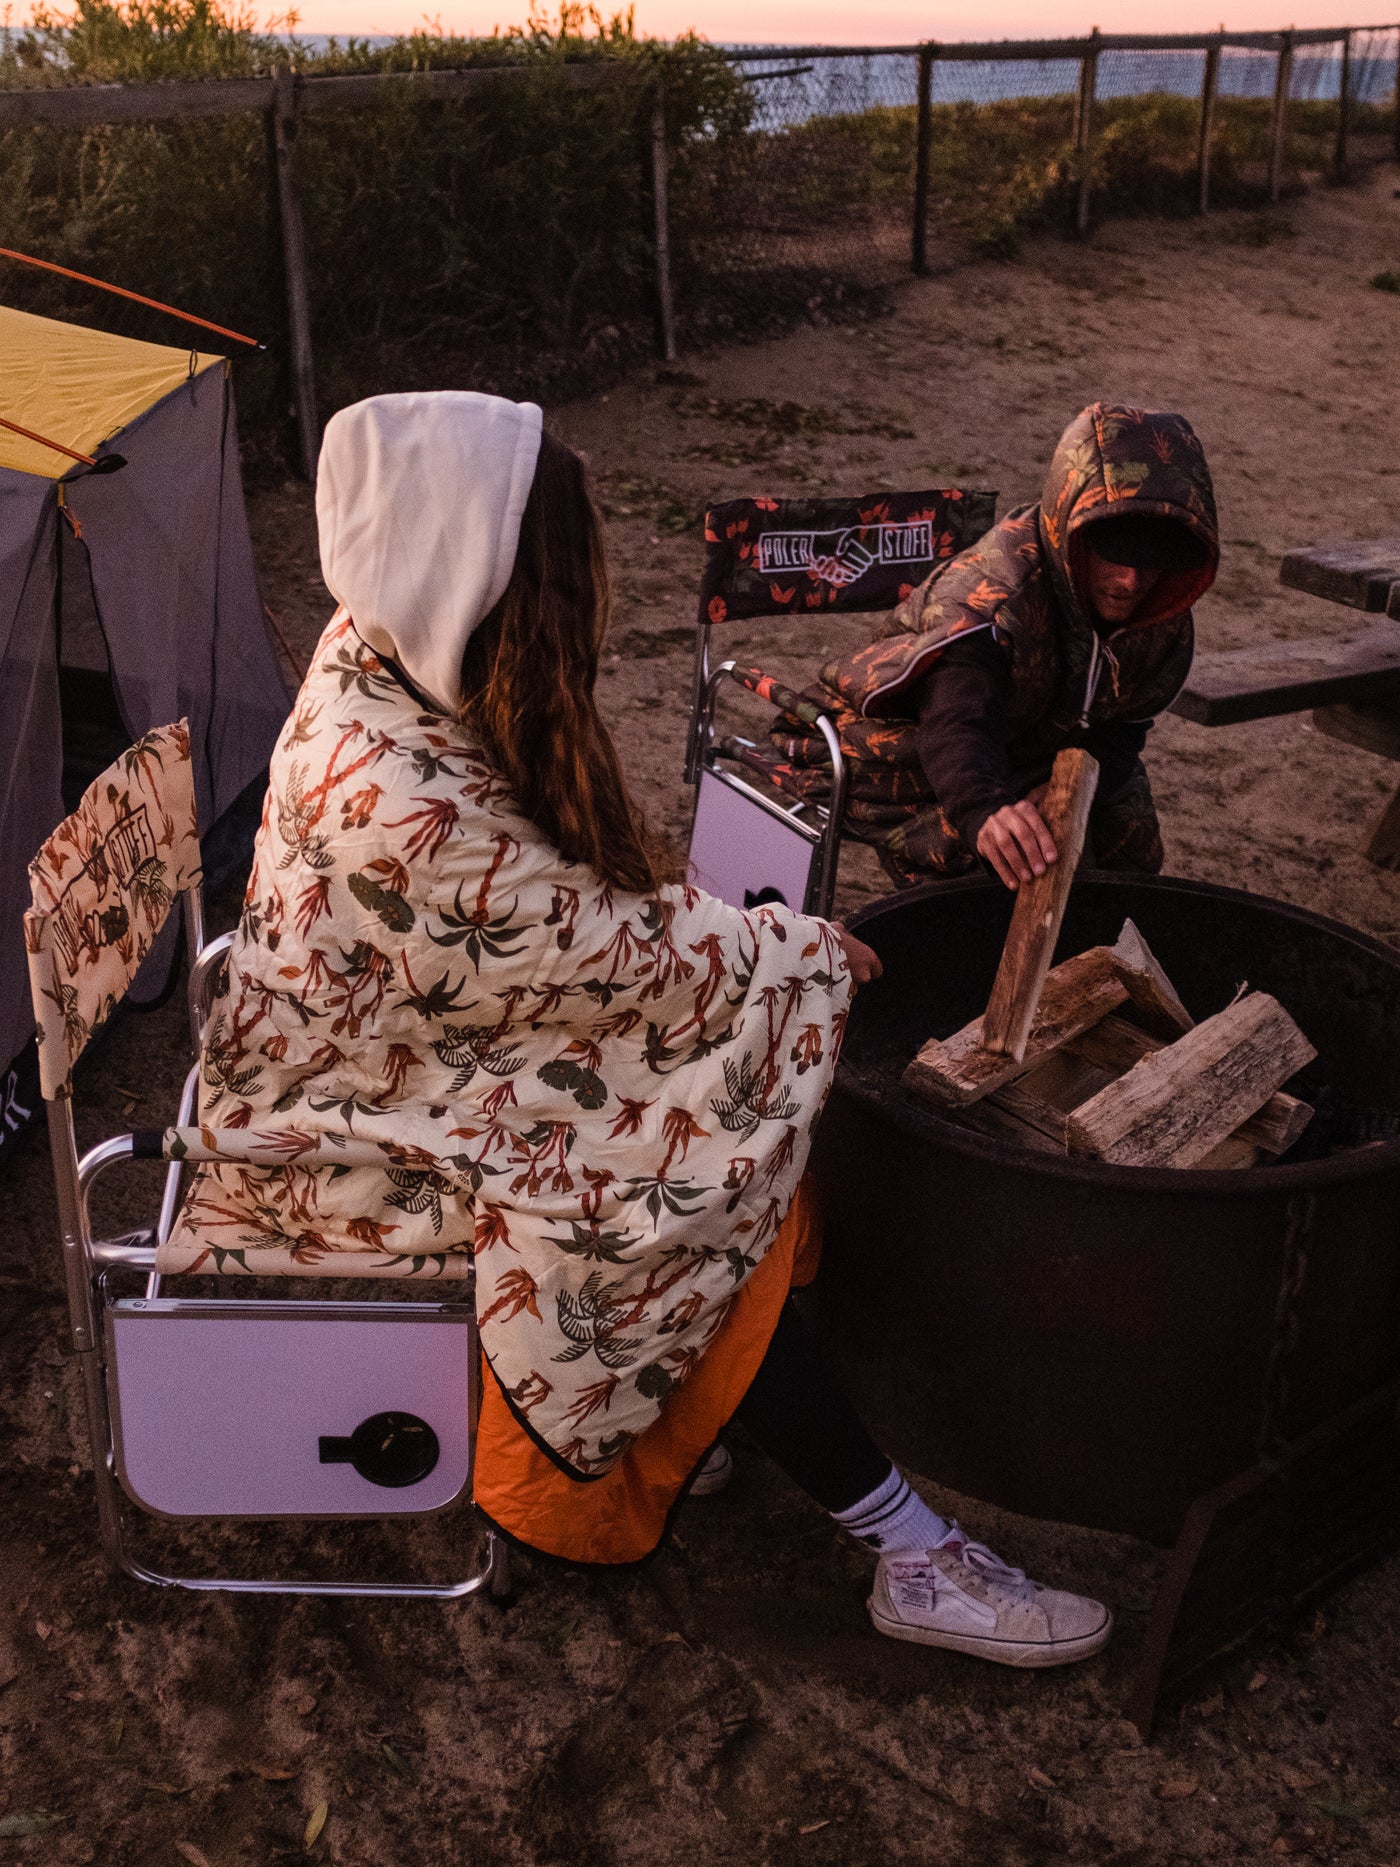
(1116, 1046)
(1374, 726)
(1383, 846)
(1361, 575)
(1178, 1103)
(1151, 992)
(1040, 908)
(1263, 681)
(75, 106)
(954, 1071)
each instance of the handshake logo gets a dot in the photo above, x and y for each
(842, 558)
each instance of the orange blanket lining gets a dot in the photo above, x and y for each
(622, 1516)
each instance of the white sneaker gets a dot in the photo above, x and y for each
(716, 1469)
(960, 1595)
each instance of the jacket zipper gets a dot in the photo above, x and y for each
(1092, 680)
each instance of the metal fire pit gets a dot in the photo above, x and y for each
(1183, 1356)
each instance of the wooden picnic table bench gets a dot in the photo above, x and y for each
(1351, 685)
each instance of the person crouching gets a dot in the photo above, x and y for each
(1068, 624)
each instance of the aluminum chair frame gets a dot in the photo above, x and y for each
(89, 1263)
(704, 752)
(923, 529)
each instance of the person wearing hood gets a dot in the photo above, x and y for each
(1068, 624)
(598, 1084)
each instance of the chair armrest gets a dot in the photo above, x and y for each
(768, 687)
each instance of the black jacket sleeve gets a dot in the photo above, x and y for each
(1117, 745)
(961, 736)
(961, 706)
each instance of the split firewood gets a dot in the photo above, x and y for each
(954, 1071)
(1115, 1045)
(1040, 908)
(1178, 1103)
(1153, 995)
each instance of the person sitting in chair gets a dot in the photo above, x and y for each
(1068, 624)
(461, 942)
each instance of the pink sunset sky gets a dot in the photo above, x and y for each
(856, 22)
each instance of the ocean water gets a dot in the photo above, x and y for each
(824, 87)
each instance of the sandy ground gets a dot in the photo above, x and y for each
(727, 1703)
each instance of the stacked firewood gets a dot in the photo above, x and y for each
(1099, 1057)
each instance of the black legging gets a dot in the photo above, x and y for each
(798, 1414)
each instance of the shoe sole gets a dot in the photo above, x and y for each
(1033, 1654)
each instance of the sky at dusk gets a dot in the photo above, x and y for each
(852, 22)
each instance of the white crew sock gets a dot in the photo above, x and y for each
(894, 1516)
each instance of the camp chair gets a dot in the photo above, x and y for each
(796, 558)
(199, 1408)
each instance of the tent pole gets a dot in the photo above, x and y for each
(303, 370)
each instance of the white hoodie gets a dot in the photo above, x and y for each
(418, 503)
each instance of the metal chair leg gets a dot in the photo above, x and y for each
(502, 1584)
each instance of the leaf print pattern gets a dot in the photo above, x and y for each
(438, 1039)
(102, 886)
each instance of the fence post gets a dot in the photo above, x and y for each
(1339, 159)
(303, 370)
(922, 145)
(1084, 130)
(661, 210)
(1210, 84)
(1279, 141)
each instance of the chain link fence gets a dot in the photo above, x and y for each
(852, 162)
(532, 214)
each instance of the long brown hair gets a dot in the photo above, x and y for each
(528, 676)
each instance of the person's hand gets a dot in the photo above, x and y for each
(863, 961)
(1016, 842)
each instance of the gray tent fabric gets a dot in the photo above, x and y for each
(177, 601)
(31, 801)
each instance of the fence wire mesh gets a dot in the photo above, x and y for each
(814, 198)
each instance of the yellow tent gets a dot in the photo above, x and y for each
(78, 387)
(128, 598)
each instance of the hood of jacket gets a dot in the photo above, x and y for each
(1113, 460)
(418, 505)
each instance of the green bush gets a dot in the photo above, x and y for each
(499, 241)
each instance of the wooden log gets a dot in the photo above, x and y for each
(1002, 1124)
(923, 145)
(1040, 908)
(661, 227)
(303, 366)
(1116, 1046)
(1233, 1155)
(954, 1071)
(1153, 996)
(1046, 1097)
(1278, 129)
(1210, 85)
(1178, 1103)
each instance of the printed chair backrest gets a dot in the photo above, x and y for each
(773, 557)
(102, 886)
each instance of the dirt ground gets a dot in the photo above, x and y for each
(727, 1702)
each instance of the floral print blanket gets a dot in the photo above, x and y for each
(606, 1098)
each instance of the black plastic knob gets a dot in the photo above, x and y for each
(393, 1449)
